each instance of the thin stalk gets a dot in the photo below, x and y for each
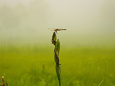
(56, 43)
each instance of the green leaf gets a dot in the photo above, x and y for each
(58, 71)
(57, 47)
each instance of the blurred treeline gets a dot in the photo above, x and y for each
(23, 23)
(20, 16)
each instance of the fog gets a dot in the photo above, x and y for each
(88, 22)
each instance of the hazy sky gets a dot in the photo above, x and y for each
(83, 19)
(70, 13)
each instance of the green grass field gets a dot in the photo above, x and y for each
(35, 66)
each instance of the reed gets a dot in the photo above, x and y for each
(56, 43)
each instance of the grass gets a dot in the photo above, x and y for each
(35, 66)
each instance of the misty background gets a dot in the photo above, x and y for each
(88, 22)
